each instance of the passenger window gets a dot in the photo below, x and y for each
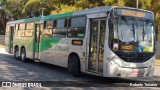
(60, 23)
(77, 27)
(55, 24)
(60, 28)
(29, 26)
(22, 26)
(48, 24)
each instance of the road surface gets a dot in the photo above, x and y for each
(14, 70)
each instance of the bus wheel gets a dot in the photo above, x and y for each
(16, 53)
(23, 55)
(74, 66)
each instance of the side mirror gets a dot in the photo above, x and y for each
(156, 32)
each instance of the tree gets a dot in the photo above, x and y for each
(155, 7)
(19, 9)
(13, 8)
(34, 7)
(114, 2)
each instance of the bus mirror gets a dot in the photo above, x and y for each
(156, 31)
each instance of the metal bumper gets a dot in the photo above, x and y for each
(113, 70)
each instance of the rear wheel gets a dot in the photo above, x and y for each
(74, 66)
(23, 55)
(16, 53)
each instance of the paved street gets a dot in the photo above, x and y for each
(14, 70)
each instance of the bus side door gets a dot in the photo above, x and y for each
(36, 41)
(96, 45)
(11, 31)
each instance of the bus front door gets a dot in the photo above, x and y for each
(36, 41)
(11, 31)
(96, 45)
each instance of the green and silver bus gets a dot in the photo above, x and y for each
(108, 41)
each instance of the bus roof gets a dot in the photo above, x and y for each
(69, 14)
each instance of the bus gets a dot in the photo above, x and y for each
(108, 41)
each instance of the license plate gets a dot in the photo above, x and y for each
(134, 73)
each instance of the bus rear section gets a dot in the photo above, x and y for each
(9, 38)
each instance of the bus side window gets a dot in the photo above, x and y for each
(22, 27)
(69, 22)
(60, 28)
(55, 24)
(48, 26)
(77, 27)
(29, 29)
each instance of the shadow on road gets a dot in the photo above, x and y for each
(15, 70)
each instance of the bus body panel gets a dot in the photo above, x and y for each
(28, 44)
(54, 49)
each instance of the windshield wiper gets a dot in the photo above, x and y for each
(143, 33)
(133, 30)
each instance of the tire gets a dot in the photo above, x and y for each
(74, 66)
(16, 53)
(23, 55)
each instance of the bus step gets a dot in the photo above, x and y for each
(36, 60)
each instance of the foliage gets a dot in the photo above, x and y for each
(19, 9)
(34, 7)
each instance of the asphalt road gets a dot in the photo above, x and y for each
(17, 71)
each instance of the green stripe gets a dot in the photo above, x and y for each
(46, 42)
(61, 15)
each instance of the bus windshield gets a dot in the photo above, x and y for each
(131, 35)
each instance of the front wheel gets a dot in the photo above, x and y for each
(74, 66)
(23, 55)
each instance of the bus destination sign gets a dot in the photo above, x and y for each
(133, 13)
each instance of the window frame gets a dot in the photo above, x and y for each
(29, 28)
(44, 25)
(56, 30)
(19, 26)
(69, 27)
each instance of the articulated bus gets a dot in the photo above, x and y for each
(107, 41)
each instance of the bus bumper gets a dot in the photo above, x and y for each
(113, 70)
